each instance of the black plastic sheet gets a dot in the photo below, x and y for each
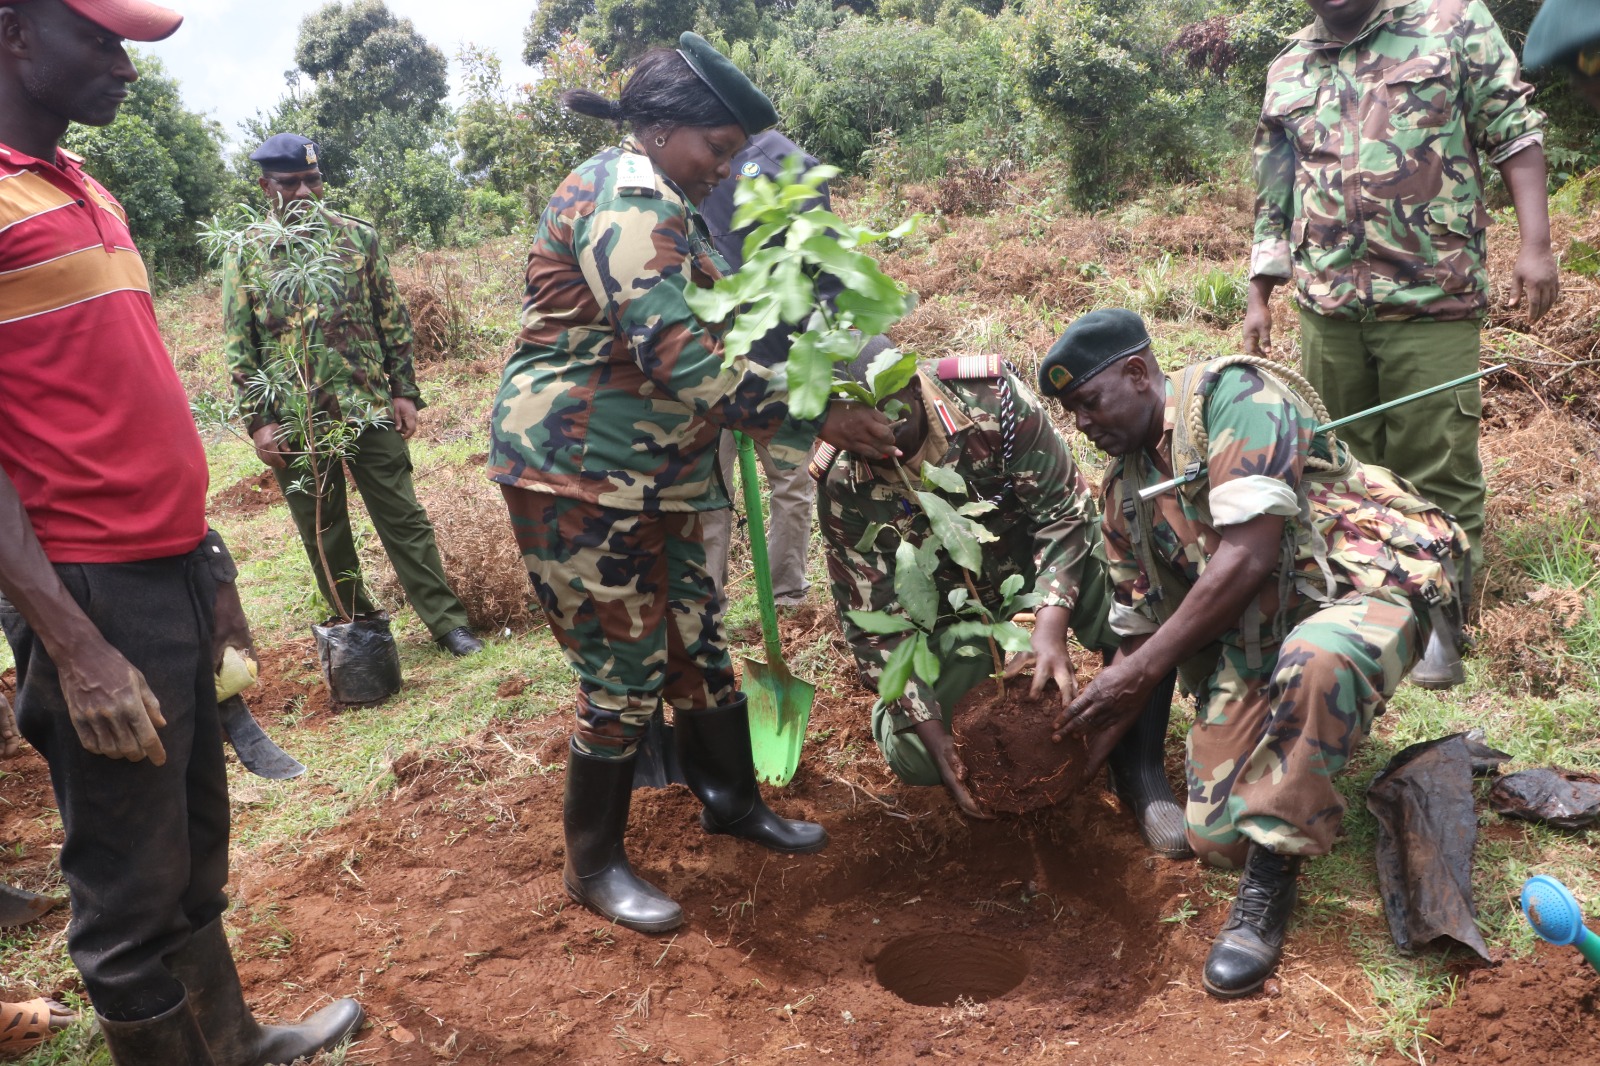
(360, 661)
(1426, 831)
(1562, 798)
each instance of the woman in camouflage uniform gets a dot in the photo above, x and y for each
(604, 440)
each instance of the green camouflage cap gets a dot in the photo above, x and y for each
(749, 105)
(1565, 31)
(1093, 342)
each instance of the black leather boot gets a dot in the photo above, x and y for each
(597, 875)
(714, 754)
(170, 1039)
(1248, 948)
(205, 966)
(1139, 776)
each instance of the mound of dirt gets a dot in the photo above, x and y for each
(1539, 1011)
(1013, 764)
(247, 496)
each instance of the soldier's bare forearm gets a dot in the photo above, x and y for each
(1525, 175)
(29, 581)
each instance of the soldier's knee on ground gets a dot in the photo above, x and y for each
(909, 759)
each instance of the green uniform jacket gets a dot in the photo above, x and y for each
(360, 333)
(1369, 184)
(616, 392)
(1044, 525)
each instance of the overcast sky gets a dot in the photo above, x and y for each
(229, 55)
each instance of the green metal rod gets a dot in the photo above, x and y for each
(1171, 483)
(756, 519)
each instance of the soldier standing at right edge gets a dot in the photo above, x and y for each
(1370, 193)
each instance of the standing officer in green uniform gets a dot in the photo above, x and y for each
(972, 416)
(603, 440)
(362, 334)
(1368, 165)
(1274, 580)
(1566, 33)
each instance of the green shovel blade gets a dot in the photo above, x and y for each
(779, 702)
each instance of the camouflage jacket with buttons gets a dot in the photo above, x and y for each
(616, 391)
(1044, 523)
(358, 336)
(1367, 161)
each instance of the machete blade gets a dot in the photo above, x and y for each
(19, 907)
(255, 749)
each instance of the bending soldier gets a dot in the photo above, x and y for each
(974, 417)
(1292, 586)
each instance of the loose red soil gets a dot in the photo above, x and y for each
(247, 496)
(1538, 1011)
(1004, 740)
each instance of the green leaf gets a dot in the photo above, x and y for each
(872, 315)
(869, 538)
(896, 671)
(1012, 637)
(892, 376)
(914, 588)
(1009, 587)
(753, 323)
(957, 598)
(941, 477)
(923, 660)
(976, 508)
(881, 623)
(960, 537)
(810, 377)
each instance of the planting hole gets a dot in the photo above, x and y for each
(936, 969)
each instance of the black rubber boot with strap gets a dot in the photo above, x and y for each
(1246, 952)
(1139, 776)
(598, 875)
(170, 1039)
(205, 966)
(714, 754)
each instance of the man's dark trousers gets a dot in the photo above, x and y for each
(146, 850)
(381, 465)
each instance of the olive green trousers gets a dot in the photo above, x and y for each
(381, 466)
(1432, 443)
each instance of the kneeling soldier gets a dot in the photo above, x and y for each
(1292, 587)
(974, 417)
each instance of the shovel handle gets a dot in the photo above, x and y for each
(755, 515)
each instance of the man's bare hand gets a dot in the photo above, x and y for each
(1537, 278)
(405, 416)
(1116, 694)
(1258, 316)
(111, 706)
(1052, 661)
(855, 427)
(10, 738)
(952, 771)
(230, 628)
(269, 448)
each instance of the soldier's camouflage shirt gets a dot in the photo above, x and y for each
(1258, 441)
(1367, 161)
(616, 391)
(1044, 525)
(362, 327)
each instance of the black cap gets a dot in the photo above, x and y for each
(1562, 32)
(750, 107)
(1093, 342)
(286, 152)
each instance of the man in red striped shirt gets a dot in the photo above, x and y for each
(108, 591)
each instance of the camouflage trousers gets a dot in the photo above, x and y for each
(630, 600)
(1267, 742)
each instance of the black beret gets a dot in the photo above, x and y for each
(1092, 343)
(1561, 30)
(286, 152)
(750, 107)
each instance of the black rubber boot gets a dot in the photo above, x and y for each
(1248, 948)
(205, 966)
(170, 1039)
(1139, 776)
(714, 754)
(597, 875)
(1440, 666)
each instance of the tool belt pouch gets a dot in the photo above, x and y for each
(360, 660)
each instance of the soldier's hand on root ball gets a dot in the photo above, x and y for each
(1051, 660)
(1117, 694)
(857, 428)
(952, 771)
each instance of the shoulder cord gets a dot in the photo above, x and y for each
(1008, 429)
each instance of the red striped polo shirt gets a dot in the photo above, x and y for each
(95, 429)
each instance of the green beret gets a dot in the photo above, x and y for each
(1560, 30)
(1093, 342)
(750, 107)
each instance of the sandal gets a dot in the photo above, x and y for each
(24, 1026)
